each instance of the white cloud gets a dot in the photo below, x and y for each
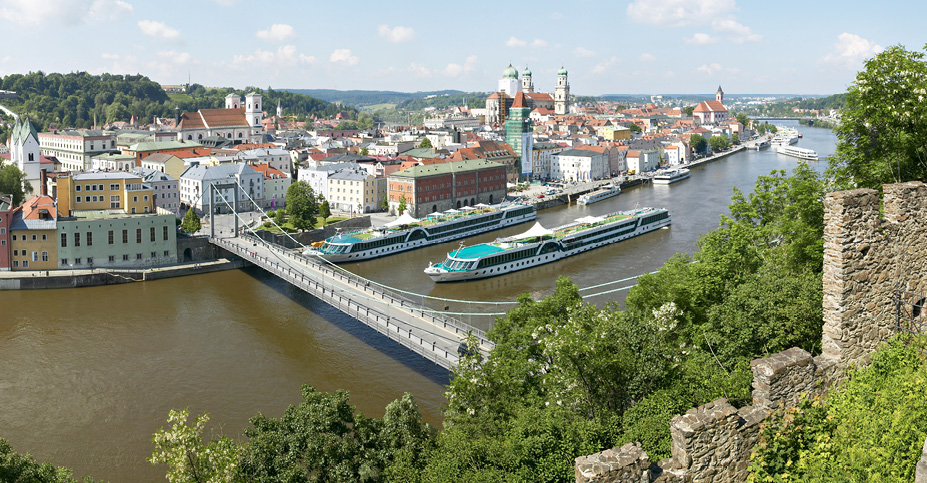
(454, 70)
(175, 57)
(158, 29)
(583, 52)
(678, 13)
(343, 56)
(710, 69)
(419, 70)
(63, 12)
(278, 32)
(396, 34)
(119, 64)
(739, 33)
(605, 64)
(538, 43)
(515, 42)
(646, 57)
(285, 54)
(700, 39)
(669, 74)
(851, 50)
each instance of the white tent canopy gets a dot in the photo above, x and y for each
(590, 219)
(536, 231)
(405, 219)
(451, 212)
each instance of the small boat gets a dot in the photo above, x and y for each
(669, 176)
(795, 151)
(599, 195)
(539, 245)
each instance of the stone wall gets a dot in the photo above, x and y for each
(867, 258)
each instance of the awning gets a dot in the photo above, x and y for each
(405, 219)
(536, 231)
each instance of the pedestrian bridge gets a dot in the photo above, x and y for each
(416, 327)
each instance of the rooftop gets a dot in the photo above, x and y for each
(445, 168)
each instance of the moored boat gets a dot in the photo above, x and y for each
(406, 232)
(599, 195)
(795, 151)
(539, 245)
(668, 176)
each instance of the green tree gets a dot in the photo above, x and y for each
(324, 211)
(346, 125)
(191, 222)
(635, 128)
(719, 143)
(426, 143)
(280, 217)
(402, 204)
(698, 143)
(188, 457)
(364, 151)
(301, 205)
(688, 110)
(735, 139)
(364, 121)
(884, 123)
(743, 119)
(13, 182)
(18, 468)
(384, 204)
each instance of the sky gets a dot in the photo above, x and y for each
(609, 47)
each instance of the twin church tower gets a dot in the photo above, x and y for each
(510, 85)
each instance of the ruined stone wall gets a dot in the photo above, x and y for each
(867, 257)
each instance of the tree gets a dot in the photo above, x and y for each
(280, 217)
(301, 205)
(698, 143)
(324, 211)
(13, 182)
(884, 123)
(688, 110)
(191, 222)
(402, 204)
(364, 151)
(364, 121)
(426, 143)
(719, 143)
(188, 458)
(742, 118)
(346, 125)
(735, 139)
(384, 205)
(24, 468)
(635, 128)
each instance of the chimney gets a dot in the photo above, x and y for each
(43, 179)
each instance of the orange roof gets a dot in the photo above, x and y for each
(710, 106)
(33, 207)
(269, 172)
(519, 100)
(213, 118)
(538, 96)
(244, 147)
(634, 154)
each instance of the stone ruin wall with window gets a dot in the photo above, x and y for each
(867, 259)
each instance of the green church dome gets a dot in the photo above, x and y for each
(510, 73)
(562, 71)
(526, 72)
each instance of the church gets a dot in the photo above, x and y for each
(239, 123)
(711, 112)
(499, 102)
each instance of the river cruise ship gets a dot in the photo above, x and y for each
(406, 232)
(669, 176)
(800, 153)
(539, 245)
(599, 195)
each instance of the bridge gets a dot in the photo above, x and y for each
(418, 328)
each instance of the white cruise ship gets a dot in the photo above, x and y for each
(795, 151)
(668, 176)
(598, 195)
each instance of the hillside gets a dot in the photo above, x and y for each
(361, 98)
(74, 99)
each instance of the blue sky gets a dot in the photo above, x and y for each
(634, 47)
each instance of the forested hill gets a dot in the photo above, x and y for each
(72, 100)
(360, 98)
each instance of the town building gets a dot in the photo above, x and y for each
(518, 132)
(643, 160)
(562, 93)
(165, 188)
(353, 190)
(542, 156)
(25, 153)
(6, 214)
(74, 149)
(197, 180)
(112, 162)
(33, 230)
(148, 148)
(276, 182)
(239, 122)
(440, 187)
(577, 165)
(711, 112)
(498, 103)
(167, 163)
(491, 151)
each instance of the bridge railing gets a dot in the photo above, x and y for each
(379, 321)
(460, 328)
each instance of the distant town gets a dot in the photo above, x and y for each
(112, 196)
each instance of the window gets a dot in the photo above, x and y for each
(100, 187)
(114, 201)
(89, 238)
(167, 253)
(138, 256)
(146, 197)
(15, 253)
(2, 230)
(154, 254)
(64, 240)
(114, 187)
(2, 242)
(44, 237)
(15, 263)
(64, 261)
(44, 256)
(35, 256)
(138, 235)
(89, 260)
(93, 187)
(77, 187)
(25, 263)
(152, 233)
(34, 238)
(111, 237)
(135, 199)
(125, 236)
(77, 261)
(77, 239)
(14, 237)
(133, 210)
(78, 199)
(112, 258)
(125, 257)
(165, 232)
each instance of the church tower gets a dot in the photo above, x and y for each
(279, 110)
(232, 101)
(24, 153)
(527, 85)
(719, 96)
(561, 93)
(518, 134)
(253, 112)
(509, 82)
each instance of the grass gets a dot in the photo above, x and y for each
(291, 229)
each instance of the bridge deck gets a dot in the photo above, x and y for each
(431, 335)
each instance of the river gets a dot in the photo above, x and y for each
(90, 374)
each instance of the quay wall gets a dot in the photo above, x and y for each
(868, 258)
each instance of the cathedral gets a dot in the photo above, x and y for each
(499, 102)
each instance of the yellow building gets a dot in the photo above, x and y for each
(33, 235)
(104, 190)
(617, 133)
